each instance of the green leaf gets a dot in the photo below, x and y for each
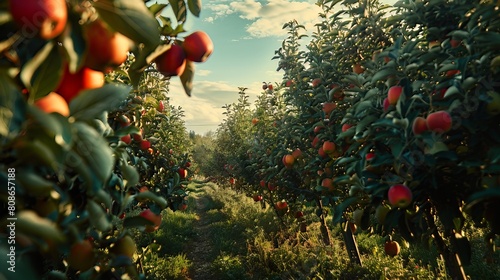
(34, 184)
(194, 7)
(97, 216)
(29, 223)
(340, 209)
(187, 78)
(130, 175)
(42, 73)
(75, 45)
(179, 9)
(156, 9)
(383, 74)
(132, 19)
(91, 103)
(158, 200)
(94, 150)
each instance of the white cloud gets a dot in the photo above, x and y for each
(203, 72)
(248, 10)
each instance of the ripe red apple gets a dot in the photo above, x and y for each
(45, 18)
(198, 46)
(357, 68)
(262, 183)
(257, 197)
(53, 103)
(392, 248)
(315, 142)
(145, 144)
(172, 62)
(232, 181)
(288, 160)
(161, 106)
(316, 82)
(138, 136)
(369, 156)
(182, 172)
(182, 207)
(81, 255)
(105, 48)
(71, 84)
(327, 183)
(328, 107)
(270, 87)
(328, 147)
(455, 43)
(386, 104)
(393, 94)
(127, 139)
(321, 152)
(289, 83)
(271, 186)
(399, 196)
(451, 73)
(281, 205)
(318, 128)
(297, 153)
(419, 125)
(154, 218)
(439, 121)
(346, 126)
(255, 121)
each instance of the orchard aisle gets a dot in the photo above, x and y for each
(202, 247)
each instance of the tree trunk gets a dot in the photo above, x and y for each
(325, 233)
(451, 259)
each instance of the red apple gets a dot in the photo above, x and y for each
(288, 160)
(328, 107)
(270, 87)
(328, 147)
(44, 18)
(321, 152)
(439, 121)
(257, 197)
(297, 153)
(315, 142)
(138, 136)
(262, 183)
(198, 46)
(81, 255)
(172, 62)
(289, 83)
(316, 82)
(182, 172)
(346, 126)
(399, 196)
(393, 94)
(318, 128)
(161, 106)
(255, 121)
(156, 219)
(419, 125)
(327, 183)
(386, 104)
(369, 156)
(281, 205)
(392, 248)
(127, 139)
(358, 69)
(145, 144)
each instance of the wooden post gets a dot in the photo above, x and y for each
(351, 245)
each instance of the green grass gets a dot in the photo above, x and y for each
(247, 243)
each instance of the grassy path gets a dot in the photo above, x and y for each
(201, 253)
(226, 235)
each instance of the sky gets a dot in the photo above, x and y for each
(245, 34)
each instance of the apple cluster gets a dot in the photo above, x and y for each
(197, 47)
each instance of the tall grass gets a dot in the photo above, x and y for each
(247, 242)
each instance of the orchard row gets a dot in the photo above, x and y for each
(388, 118)
(97, 147)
